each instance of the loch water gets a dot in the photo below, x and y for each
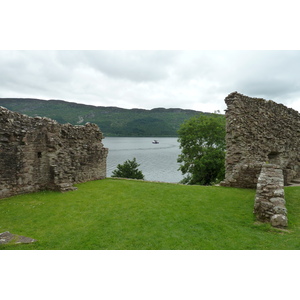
(158, 162)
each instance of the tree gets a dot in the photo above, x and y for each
(128, 170)
(202, 158)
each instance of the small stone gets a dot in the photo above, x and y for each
(279, 221)
(280, 210)
(278, 201)
(279, 193)
(7, 237)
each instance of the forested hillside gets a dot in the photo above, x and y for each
(113, 121)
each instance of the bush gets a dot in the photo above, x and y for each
(128, 170)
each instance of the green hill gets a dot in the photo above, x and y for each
(113, 121)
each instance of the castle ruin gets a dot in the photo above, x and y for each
(262, 152)
(259, 132)
(39, 154)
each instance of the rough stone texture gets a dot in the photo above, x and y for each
(260, 131)
(7, 237)
(38, 154)
(269, 203)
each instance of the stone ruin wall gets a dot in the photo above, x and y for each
(269, 205)
(258, 132)
(39, 153)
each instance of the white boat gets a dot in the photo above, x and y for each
(155, 142)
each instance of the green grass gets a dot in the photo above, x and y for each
(129, 214)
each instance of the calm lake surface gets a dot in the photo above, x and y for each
(158, 162)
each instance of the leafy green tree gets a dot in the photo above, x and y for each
(202, 158)
(128, 170)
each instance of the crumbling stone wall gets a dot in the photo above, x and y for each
(39, 153)
(269, 205)
(260, 131)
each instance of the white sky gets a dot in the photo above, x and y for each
(153, 74)
(197, 80)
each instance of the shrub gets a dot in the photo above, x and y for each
(128, 170)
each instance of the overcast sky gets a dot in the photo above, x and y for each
(197, 80)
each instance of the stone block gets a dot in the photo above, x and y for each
(279, 221)
(7, 237)
(279, 193)
(280, 210)
(278, 201)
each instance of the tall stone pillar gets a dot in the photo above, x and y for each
(269, 203)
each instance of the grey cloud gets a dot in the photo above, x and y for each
(137, 66)
(201, 64)
(268, 74)
(31, 70)
(146, 79)
(270, 88)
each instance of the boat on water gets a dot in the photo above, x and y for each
(155, 142)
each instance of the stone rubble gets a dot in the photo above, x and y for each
(7, 237)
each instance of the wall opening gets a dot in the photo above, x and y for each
(274, 157)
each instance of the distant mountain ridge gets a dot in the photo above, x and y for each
(113, 121)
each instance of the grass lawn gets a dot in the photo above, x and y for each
(129, 214)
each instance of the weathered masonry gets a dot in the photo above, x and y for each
(269, 204)
(259, 132)
(38, 154)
